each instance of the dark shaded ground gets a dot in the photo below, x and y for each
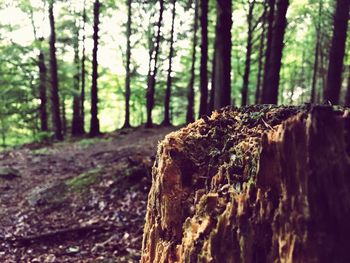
(81, 201)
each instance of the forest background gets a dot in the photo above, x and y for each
(75, 67)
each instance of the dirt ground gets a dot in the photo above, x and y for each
(77, 201)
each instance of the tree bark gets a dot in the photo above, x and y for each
(95, 125)
(190, 93)
(212, 90)
(127, 68)
(83, 71)
(223, 54)
(203, 72)
(167, 96)
(245, 95)
(151, 80)
(337, 51)
(274, 62)
(266, 189)
(42, 92)
(261, 57)
(317, 48)
(347, 96)
(270, 20)
(77, 129)
(55, 100)
(64, 115)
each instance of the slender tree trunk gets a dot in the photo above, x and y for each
(42, 92)
(151, 82)
(245, 98)
(127, 69)
(273, 63)
(77, 129)
(337, 51)
(190, 93)
(55, 100)
(82, 96)
(203, 103)
(166, 121)
(347, 97)
(317, 48)
(261, 56)
(64, 115)
(212, 90)
(223, 54)
(95, 125)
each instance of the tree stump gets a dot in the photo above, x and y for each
(256, 184)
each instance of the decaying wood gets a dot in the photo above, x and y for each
(230, 189)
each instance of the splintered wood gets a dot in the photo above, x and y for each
(257, 184)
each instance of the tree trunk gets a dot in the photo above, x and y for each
(212, 90)
(203, 73)
(317, 48)
(151, 81)
(223, 54)
(64, 115)
(270, 19)
(261, 57)
(55, 100)
(271, 80)
(264, 189)
(127, 68)
(245, 95)
(42, 92)
(337, 51)
(95, 125)
(167, 96)
(190, 93)
(347, 96)
(82, 96)
(77, 129)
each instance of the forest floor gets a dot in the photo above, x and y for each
(77, 201)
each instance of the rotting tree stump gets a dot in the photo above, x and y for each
(256, 184)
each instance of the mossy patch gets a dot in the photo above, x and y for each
(84, 143)
(81, 182)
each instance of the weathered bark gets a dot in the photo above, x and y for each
(245, 98)
(42, 92)
(151, 80)
(317, 49)
(223, 54)
(337, 51)
(190, 93)
(95, 124)
(262, 184)
(55, 100)
(203, 72)
(274, 62)
(167, 96)
(127, 68)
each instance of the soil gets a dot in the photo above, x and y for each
(78, 201)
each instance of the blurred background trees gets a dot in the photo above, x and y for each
(71, 66)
